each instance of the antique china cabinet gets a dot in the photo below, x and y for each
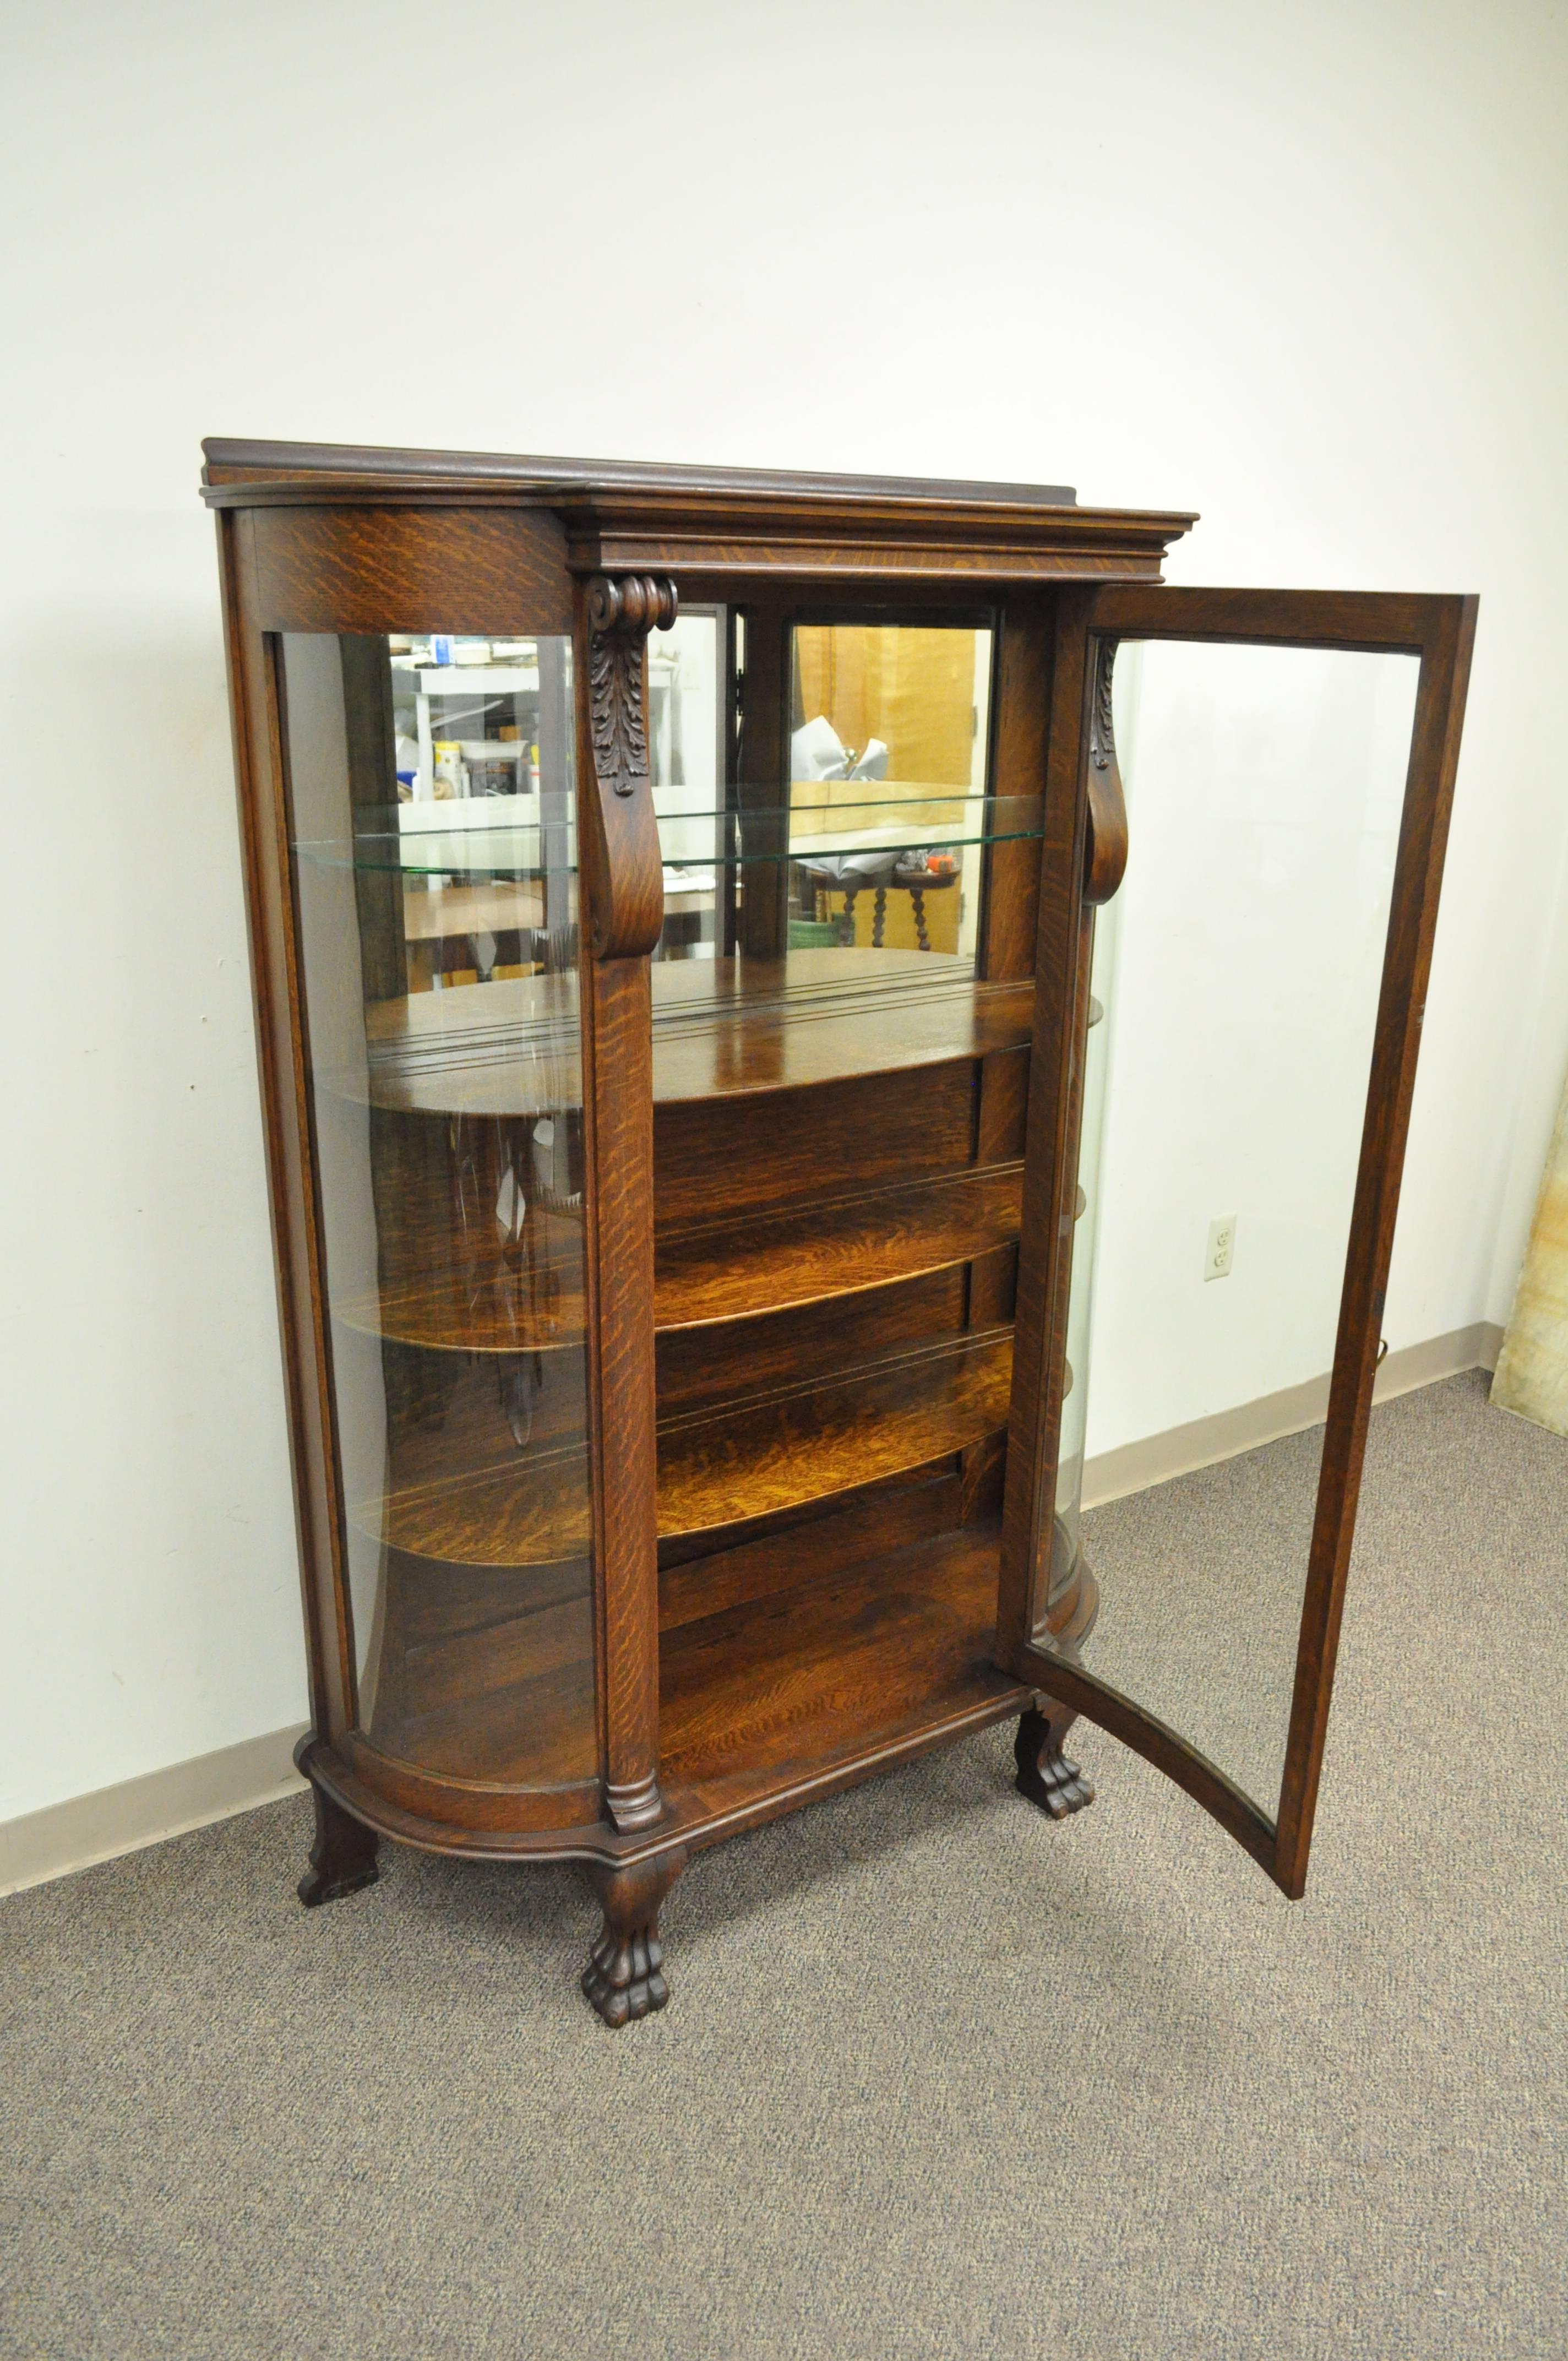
(673, 901)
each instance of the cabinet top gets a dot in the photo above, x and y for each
(233, 462)
(636, 514)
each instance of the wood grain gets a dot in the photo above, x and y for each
(813, 1439)
(723, 1157)
(396, 568)
(836, 1247)
(445, 1288)
(619, 1126)
(778, 1691)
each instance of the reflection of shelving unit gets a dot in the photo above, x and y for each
(460, 693)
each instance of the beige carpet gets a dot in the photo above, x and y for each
(936, 2076)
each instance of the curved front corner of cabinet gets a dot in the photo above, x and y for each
(483, 1819)
(1074, 1606)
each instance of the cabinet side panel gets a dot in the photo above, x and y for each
(280, 1052)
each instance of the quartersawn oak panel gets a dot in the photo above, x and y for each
(720, 1467)
(730, 1156)
(836, 1335)
(401, 569)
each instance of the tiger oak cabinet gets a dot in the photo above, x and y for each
(673, 1099)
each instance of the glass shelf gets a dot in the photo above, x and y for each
(510, 838)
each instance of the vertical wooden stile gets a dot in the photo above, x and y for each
(622, 909)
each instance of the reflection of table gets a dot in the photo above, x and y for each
(430, 915)
(440, 922)
(915, 882)
(689, 897)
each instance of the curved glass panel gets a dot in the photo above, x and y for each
(1265, 788)
(452, 1212)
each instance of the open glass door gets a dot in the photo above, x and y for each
(1289, 772)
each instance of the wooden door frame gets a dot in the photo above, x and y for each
(1440, 631)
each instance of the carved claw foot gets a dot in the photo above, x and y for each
(624, 1977)
(342, 1856)
(1045, 1773)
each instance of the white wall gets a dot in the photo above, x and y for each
(1300, 269)
(1241, 964)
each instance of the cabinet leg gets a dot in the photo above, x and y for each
(342, 1856)
(623, 1978)
(1045, 1773)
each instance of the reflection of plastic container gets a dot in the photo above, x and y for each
(451, 770)
(441, 649)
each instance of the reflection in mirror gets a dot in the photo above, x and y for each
(1240, 966)
(888, 731)
(685, 753)
(836, 838)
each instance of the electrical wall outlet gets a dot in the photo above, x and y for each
(1221, 1247)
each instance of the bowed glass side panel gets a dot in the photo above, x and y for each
(434, 818)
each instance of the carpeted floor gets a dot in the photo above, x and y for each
(936, 2076)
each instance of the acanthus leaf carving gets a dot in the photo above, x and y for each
(1102, 727)
(621, 613)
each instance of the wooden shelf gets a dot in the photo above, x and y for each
(722, 1028)
(733, 1027)
(841, 1246)
(821, 1436)
(529, 1297)
(798, 1689)
(772, 1451)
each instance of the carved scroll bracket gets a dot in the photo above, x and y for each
(1105, 851)
(627, 888)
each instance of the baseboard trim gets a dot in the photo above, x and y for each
(139, 1812)
(1135, 1466)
